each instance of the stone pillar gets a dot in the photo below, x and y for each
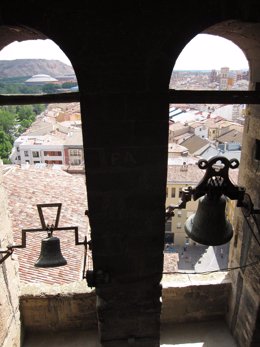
(126, 141)
(9, 282)
(244, 301)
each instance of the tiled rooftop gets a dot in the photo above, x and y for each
(175, 148)
(194, 143)
(192, 174)
(231, 136)
(28, 187)
(184, 174)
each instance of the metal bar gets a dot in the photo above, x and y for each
(7, 253)
(65, 228)
(174, 97)
(40, 212)
(213, 97)
(29, 99)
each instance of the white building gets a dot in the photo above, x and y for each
(46, 149)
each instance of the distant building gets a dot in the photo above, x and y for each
(175, 150)
(73, 149)
(224, 75)
(33, 150)
(195, 144)
(213, 77)
(177, 129)
(41, 79)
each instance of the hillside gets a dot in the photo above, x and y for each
(30, 67)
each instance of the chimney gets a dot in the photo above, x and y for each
(184, 166)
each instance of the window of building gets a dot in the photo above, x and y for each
(168, 226)
(187, 241)
(75, 162)
(52, 153)
(35, 154)
(169, 238)
(173, 192)
(51, 162)
(26, 153)
(75, 152)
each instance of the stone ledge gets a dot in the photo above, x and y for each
(48, 290)
(185, 298)
(185, 280)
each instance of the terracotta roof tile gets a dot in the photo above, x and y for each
(28, 187)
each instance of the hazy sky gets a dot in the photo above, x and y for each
(204, 52)
(33, 49)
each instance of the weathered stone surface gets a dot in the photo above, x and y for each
(58, 307)
(9, 282)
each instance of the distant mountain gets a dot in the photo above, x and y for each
(30, 67)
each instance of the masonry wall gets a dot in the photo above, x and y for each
(184, 299)
(10, 326)
(244, 301)
(58, 307)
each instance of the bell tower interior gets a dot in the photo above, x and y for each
(123, 56)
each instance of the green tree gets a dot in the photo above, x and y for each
(7, 121)
(67, 85)
(6, 145)
(24, 112)
(50, 88)
(38, 108)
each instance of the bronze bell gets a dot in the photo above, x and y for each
(50, 255)
(209, 225)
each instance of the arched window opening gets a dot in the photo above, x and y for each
(202, 131)
(42, 154)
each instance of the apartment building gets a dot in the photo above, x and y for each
(180, 176)
(73, 149)
(50, 149)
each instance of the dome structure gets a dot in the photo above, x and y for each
(41, 79)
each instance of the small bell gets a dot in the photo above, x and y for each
(50, 255)
(209, 225)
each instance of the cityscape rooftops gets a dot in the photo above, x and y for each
(231, 136)
(211, 151)
(194, 144)
(175, 148)
(74, 139)
(184, 174)
(177, 126)
(192, 174)
(40, 140)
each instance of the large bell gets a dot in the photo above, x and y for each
(209, 225)
(50, 255)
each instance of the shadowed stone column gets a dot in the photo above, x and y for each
(126, 141)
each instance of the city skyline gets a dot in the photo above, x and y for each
(203, 52)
